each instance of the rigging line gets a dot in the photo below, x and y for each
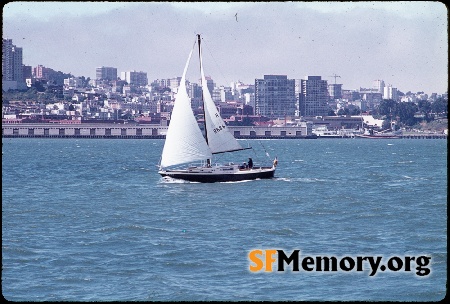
(264, 148)
(267, 153)
(195, 42)
(205, 45)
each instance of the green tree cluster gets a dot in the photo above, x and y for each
(410, 113)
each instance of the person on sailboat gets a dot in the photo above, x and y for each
(250, 163)
(275, 162)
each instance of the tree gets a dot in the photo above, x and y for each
(39, 86)
(386, 125)
(85, 81)
(440, 106)
(344, 111)
(386, 107)
(355, 111)
(425, 108)
(405, 111)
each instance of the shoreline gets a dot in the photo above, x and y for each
(408, 136)
(148, 131)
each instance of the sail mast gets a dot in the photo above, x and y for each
(201, 84)
(208, 161)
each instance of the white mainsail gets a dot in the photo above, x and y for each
(219, 137)
(184, 140)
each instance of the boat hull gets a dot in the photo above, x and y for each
(214, 175)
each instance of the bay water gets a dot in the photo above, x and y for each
(91, 220)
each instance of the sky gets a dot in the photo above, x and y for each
(403, 43)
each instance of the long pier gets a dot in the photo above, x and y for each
(136, 131)
(146, 131)
(424, 136)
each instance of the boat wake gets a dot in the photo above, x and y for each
(170, 180)
(242, 181)
(300, 179)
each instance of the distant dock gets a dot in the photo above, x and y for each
(148, 131)
(136, 131)
(424, 136)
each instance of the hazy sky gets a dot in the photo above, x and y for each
(403, 43)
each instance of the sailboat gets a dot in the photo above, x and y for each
(187, 152)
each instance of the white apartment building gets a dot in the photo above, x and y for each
(379, 85)
(390, 93)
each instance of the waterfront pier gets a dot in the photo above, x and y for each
(144, 131)
(148, 131)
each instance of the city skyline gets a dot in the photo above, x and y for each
(405, 45)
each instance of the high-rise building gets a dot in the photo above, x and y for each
(379, 85)
(41, 72)
(390, 93)
(275, 96)
(298, 92)
(174, 83)
(226, 94)
(135, 78)
(335, 91)
(314, 96)
(106, 73)
(12, 62)
(216, 95)
(27, 72)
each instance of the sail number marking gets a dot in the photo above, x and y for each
(219, 128)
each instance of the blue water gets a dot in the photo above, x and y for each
(91, 220)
